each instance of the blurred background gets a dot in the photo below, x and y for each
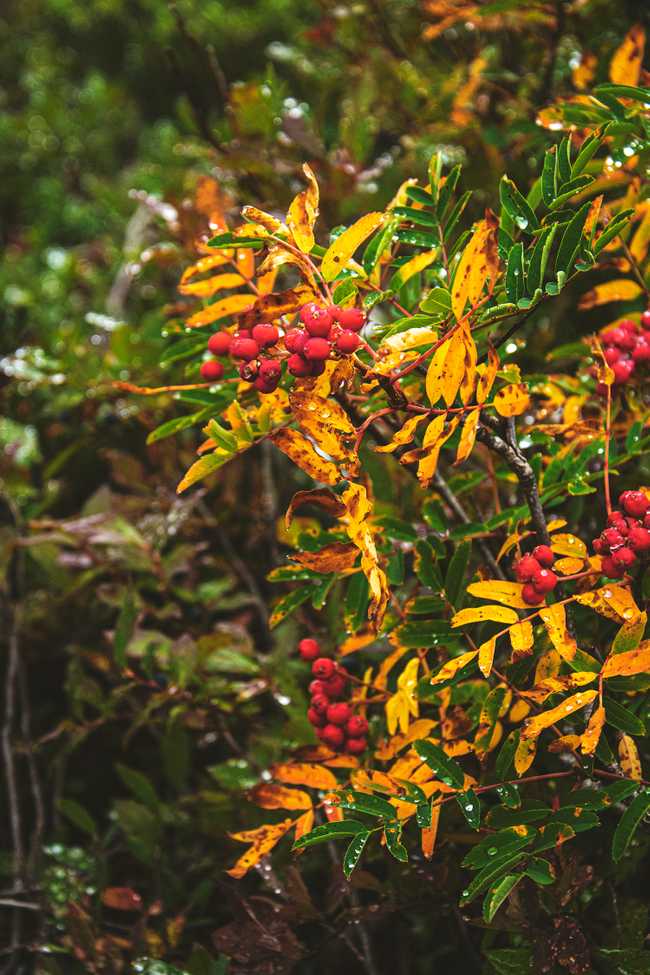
(142, 690)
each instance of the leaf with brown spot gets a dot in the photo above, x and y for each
(629, 663)
(403, 436)
(625, 66)
(303, 453)
(341, 250)
(453, 666)
(591, 737)
(508, 593)
(628, 756)
(234, 305)
(321, 498)
(263, 841)
(479, 264)
(623, 289)
(478, 614)
(303, 773)
(521, 639)
(269, 795)
(337, 557)
(512, 400)
(303, 212)
(534, 726)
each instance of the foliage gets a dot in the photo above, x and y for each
(472, 223)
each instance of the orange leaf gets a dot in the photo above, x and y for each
(121, 899)
(629, 663)
(337, 557)
(271, 796)
(625, 66)
(622, 289)
(512, 400)
(478, 264)
(589, 741)
(209, 287)
(429, 833)
(233, 305)
(303, 453)
(304, 824)
(302, 773)
(263, 840)
(534, 726)
(303, 212)
(628, 755)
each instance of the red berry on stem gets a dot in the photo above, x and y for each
(219, 343)
(531, 596)
(545, 581)
(339, 713)
(612, 538)
(612, 354)
(316, 349)
(309, 649)
(613, 336)
(333, 735)
(645, 318)
(211, 370)
(355, 746)
(628, 339)
(335, 686)
(323, 668)
(294, 341)
(265, 334)
(634, 503)
(248, 371)
(544, 555)
(611, 569)
(622, 370)
(641, 351)
(316, 320)
(352, 319)
(246, 349)
(639, 539)
(318, 687)
(320, 703)
(356, 726)
(318, 720)
(624, 556)
(348, 342)
(298, 366)
(270, 369)
(598, 545)
(526, 568)
(628, 325)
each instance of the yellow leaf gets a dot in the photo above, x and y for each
(453, 666)
(302, 452)
(565, 743)
(397, 349)
(266, 220)
(470, 374)
(512, 400)
(521, 639)
(337, 557)
(568, 545)
(326, 423)
(629, 663)
(519, 710)
(428, 457)
(623, 289)
(534, 726)
(341, 250)
(416, 264)
(303, 212)
(467, 436)
(263, 840)
(613, 602)
(548, 665)
(591, 737)
(360, 531)
(279, 255)
(628, 755)
(498, 614)
(447, 369)
(303, 773)
(387, 665)
(568, 567)
(584, 73)
(625, 66)
(487, 373)
(503, 592)
(271, 796)
(207, 264)
(304, 825)
(403, 436)
(525, 754)
(234, 305)
(486, 656)
(429, 833)
(641, 239)
(388, 748)
(479, 264)
(209, 287)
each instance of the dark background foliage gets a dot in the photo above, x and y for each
(124, 773)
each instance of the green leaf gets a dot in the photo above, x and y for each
(423, 814)
(77, 815)
(588, 149)
(436, 300)
(394, 845)
(516, 206)
(563, 163)
(498, 845)
(629, 636)
(539, 259)
(347, 288)
(435, 172)
(571, 240)
(330, 831)
(511, 961)
(124, 628)
(362, 802)
(613, 228)
(354, 851)
(179, 423)
(549, 188)
(636, 93)
(506, 755)
(289, 604)
(425, 565)
(628, 823)
(470, 805)
(622, 718)
(455, 578)
(497, 868)
(231, 240)
(447, 769)
(420, 195)
(447, 191)
(139, 785)
(378, 244)
(515, 273)
(540, 871)
(455, 215)
(571, 188)
(420, 217)
(222, 437)
(495, 897)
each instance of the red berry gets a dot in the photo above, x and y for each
(323, 668)
(263, 385)
(645, 318)
(298, 366)
(333, 735)
(339, 713)
(265, 334)
(616, 518)
(601, 389)
(248, 371)
(628, 325)
(628, 340)
(531, 596)
(294, 341)
(318, 720)
(244, 349)
(641, 351)
(526, 568)
(639, 539)
(356, 726)
(318, 687)
(646, 520)
(599, 545)
(544, 555)
(355, 746)
(320, 703)
(348, 342)
(335, 686)
(624, 556)
(316, 320)
(317, 368)
(219, 343)
(309, 649)
(612, 354)
(612, 538)
(545, 581)
(352, 319)
(316, 350)
(622, 370)
(211, 370)
(611, 569)
(634, 503)
(270, 369)
(613, 336)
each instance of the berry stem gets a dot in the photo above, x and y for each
(608, 437)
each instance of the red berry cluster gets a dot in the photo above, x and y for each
(260, 350)
(331, 716)
(535, 571)
(626, 345)
(627, 535)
